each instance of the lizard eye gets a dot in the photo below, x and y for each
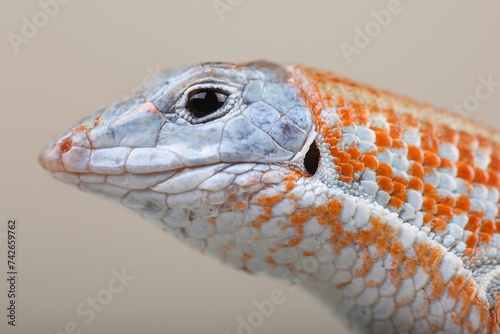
(202, 103)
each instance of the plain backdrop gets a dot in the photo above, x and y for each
(86, 54)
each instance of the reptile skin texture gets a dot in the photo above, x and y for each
(384, 208)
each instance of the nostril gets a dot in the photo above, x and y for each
(66, 144)
(311, 160)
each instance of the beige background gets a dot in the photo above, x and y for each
(92, 52)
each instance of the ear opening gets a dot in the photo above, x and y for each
(311, 160)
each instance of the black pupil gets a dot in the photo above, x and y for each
(205, 102)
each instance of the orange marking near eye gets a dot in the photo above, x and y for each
(370, 161)
(347, 169)
(298, 217)
(334, 209)
(354, 153)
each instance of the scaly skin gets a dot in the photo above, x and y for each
(396, 231)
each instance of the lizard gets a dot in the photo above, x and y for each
(384, 208)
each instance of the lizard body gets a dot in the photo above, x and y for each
(384, 208)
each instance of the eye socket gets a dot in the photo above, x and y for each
(205, 102)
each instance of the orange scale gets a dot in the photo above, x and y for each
(337, 133)
(407, 267)
(474, 224)
(396, 203)
(416, 169)
(465, 171)
(396, 132)
(431, 159)
(348, 179)
(439, 225)
(382, 139)
(361, 120)
(298, 217)
(318, 210)
(434, 257)
(385, 184)
(471, 241)
(357, 166)
(428, 218)
(347, 169)
(448, 201)
(495, 162)
(488, 226)
(493, 179)
(334, 209)
(415, 154)
(331, 141)
(445, 212)
(354, 153)
(402, 180)
(429, 142)
(467, 155)
(429, 189)
(484, 238)
(344, 157)
(385, 169)
(345, 114)
(399, 144)
(436, 286)
(463, 203)
(447, 164)
(370, 161)
(336, 161)
(429, 205)
(447, 135)
(416, 184)
(480, 176)
(334, 151)
(400, 191)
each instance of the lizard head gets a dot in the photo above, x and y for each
(216, 154)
